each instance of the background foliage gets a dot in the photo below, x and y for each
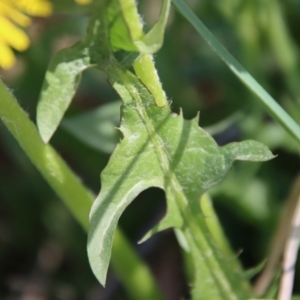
(42, 248)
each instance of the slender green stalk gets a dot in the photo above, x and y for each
(75, 196)
(144, 66)
(145, 70)
(274, 109)
(68, 187)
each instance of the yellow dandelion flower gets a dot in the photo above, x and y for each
(14, 14)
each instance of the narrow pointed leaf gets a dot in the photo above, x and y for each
(62, 79)
(60, 84)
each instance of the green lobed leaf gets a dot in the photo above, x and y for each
(162, 149)
(159, 149)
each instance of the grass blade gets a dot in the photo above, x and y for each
(274, 109)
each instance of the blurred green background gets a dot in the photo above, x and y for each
(43, 249)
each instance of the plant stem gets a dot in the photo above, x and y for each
(145, 70)
(68, 187)
(73, 193)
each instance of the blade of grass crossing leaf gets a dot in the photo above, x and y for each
(266, 100)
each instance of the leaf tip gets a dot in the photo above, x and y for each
(44, 131)
(98, 265)
(197, 118)
(249, 151)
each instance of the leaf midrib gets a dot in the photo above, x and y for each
(175, 191)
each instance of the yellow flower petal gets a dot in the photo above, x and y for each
(83, 2)
(8, 11)
(7, 57)
(12, 35)
(41, 8)
(11, 13)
